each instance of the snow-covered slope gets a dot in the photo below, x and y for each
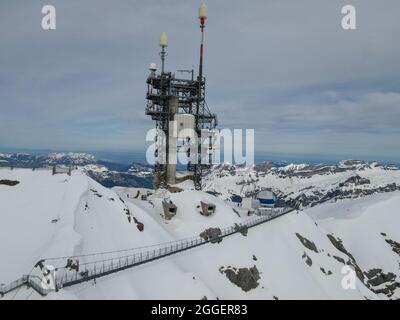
(295, 256)
(304, 185)
(369, 229)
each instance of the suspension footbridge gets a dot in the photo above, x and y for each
(72, 270)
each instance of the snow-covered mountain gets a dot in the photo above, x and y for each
(302, 255)
(303, 185)
(134, 175)
(59, 158)
(70, 158)
(107, 173)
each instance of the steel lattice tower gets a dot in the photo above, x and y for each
(167, 98)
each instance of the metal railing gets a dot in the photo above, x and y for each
(92, 269)
(71, 270)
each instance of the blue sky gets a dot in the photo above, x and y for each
(285, 68)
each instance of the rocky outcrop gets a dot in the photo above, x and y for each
(328, 273)
(380, 282)
(355, 180)
(244, 278)
(242, 229)
(395, 245)
(10, 183)
(307, 259)
(139, 225)
(212, 234)
(307, 243)
(338, 244)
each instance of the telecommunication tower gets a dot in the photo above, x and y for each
(184, 122)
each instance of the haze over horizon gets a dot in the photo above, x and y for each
(288, 70)
(127, 157)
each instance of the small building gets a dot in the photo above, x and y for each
(207, 209)
(170, 209)
(267, 198)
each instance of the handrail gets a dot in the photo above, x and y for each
(96, 269)
(65, 277)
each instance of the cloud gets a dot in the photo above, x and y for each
(286, 69)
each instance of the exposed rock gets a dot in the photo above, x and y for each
(338, 244)
(307, 243)
(339, 259)
(242, 229)
(380, 282)
(395, 245)
(328, 273)
(307, 259)
(245, 278)
(254, 258)
(96, 193)
(72, 265)
(139, 224)
(10, 183)
(127, 211)
(355, 180)
(212, 234)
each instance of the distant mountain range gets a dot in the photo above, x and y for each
(107, 173)
(30, 161)
(295, 185)
(304, 185)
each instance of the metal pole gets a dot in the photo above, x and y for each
(162, 55)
